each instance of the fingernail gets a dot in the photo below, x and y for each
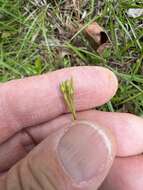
(85, 152)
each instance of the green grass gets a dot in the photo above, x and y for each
(38, 38)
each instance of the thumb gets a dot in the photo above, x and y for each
(72, 158)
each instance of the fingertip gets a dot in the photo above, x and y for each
(111, 84)
(94, 85)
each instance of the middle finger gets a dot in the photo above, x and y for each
(127, 129)
(125, 174)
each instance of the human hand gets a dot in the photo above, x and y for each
(39, 149)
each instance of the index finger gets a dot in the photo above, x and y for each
(31, 101)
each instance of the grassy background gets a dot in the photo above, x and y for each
(37, 36)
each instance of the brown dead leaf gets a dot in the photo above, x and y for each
(96, 35)
(102, 47)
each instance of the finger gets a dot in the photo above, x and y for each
(65, 160)
(35, 100)
(16, 148)
(127, 129)
(126, 173)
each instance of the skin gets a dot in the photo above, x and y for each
(34, 118)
